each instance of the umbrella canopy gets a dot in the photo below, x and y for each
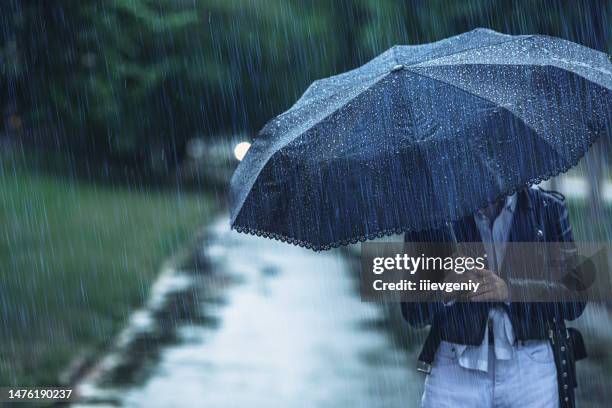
(422, 135)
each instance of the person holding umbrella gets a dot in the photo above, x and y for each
(490, 352)
(423, 137)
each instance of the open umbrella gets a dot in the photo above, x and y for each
(422, 135)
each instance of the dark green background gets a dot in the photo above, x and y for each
(122, 81)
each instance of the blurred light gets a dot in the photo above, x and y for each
(241, 149)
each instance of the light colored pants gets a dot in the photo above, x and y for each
(527, 380)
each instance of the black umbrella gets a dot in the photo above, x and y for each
(422, 135)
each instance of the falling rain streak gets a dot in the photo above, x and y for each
(122, 123)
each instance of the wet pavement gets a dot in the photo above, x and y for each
(270, 324)
(291, 332)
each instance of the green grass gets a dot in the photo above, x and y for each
(75, 259)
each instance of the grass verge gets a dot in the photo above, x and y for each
(75, 259)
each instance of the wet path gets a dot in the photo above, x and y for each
(281, 326)
(293, 332)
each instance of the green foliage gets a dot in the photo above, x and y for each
(93, 66)
(137, 78)
(75, 260)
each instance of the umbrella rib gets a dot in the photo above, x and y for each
(600, 70)
(484, 99)
(382, 76)
(475, 95)
(515, 65)
(279, 148)
(423, 61)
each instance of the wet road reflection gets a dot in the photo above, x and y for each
(293, 332)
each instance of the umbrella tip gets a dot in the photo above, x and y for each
(397, 67)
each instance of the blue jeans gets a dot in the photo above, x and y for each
(527, 380)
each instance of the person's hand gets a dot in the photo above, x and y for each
(492, 288)
(452, 277)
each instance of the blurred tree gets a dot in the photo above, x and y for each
(9, 68)
(131, 81)
(87, 73)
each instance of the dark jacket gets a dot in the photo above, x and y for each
(540, 216)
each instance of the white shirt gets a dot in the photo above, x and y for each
(494, 238)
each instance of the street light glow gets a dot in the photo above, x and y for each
(241, 149)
